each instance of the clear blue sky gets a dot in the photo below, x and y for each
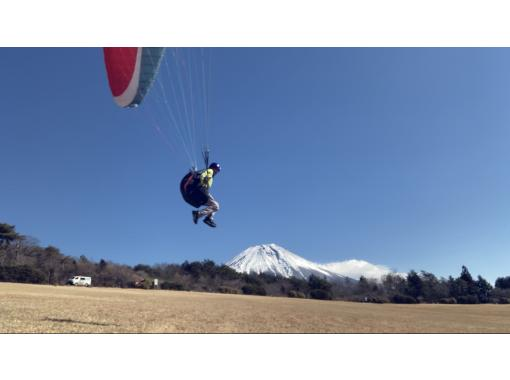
(395, 156)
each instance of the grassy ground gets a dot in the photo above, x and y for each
(57, 309)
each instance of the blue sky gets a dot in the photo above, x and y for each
(395, 156)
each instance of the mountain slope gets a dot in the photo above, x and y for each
(273, 259)
(276, 260)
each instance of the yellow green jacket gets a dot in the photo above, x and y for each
(206, 178)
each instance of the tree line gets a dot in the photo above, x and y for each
(22, 259)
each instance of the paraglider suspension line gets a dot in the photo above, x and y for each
(205, 155)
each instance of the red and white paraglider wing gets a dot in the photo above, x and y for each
(131, 72)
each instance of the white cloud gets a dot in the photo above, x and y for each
(357, 268)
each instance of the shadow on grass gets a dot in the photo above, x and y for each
(68, 320)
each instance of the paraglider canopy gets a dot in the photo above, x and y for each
(131, 72)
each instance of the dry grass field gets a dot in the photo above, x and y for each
(57, 309)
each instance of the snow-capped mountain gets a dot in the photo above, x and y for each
(273, 259)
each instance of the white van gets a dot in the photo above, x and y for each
(80, 281)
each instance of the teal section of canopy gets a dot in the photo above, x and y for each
(150, 62)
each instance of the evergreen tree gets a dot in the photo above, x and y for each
(466, 276)
(102, 265)
(319, 288)
(315, 282)
(7, 234)
(503, 282)
(414, 286)
(484, 289)
(432, 288)
(363, 285)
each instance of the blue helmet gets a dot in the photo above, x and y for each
(215, 166)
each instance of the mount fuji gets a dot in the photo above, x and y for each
(276, 260)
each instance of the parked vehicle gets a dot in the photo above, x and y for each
(80, 281)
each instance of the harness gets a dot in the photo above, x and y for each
(192, 190)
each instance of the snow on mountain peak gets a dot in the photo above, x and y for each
(276, 260)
